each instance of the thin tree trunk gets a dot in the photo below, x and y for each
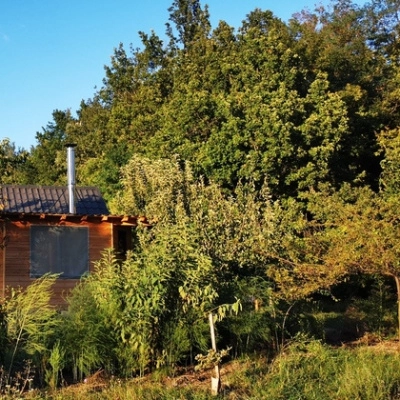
(397, 280)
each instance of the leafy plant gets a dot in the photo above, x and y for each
(31, 319)
(84, 333)
(57, 363)
(211, 359)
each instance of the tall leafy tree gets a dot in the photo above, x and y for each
(335, 41)
(252, 242)
(295, 103)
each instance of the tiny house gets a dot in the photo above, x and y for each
(56, 229)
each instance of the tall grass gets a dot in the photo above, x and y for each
(312, 371)
(371, 375)
(129, 391)
(303, 371)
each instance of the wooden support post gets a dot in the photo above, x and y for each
(216, 379)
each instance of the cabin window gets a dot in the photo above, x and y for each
(60, 250)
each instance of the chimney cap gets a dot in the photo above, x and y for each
(70, 145)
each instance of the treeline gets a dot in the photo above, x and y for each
(267, 158)
(297, 104)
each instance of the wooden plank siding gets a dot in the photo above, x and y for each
(15, 257)
(2, 256)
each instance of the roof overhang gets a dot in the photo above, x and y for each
(124, 220)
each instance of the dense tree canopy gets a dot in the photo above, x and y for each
(295, 103)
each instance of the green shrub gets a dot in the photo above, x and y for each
(84, 334)
(29, 331)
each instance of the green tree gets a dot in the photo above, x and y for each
(291, 103)
(382, 22)
(359, 234)
(335, 41)
(191, 22)
(12, 163)
(139, 302)
(360, 229)
(246, 236)
(46, 164)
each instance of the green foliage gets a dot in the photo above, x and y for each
(12, 162)
(83, 334)
(314, 371)
(231, 230)
(243, 237)
(46, 164)
(30, 317)
(199, 256)
(211, 359)
(176, 343)
(30, 325)
(190, 20)
(139, 302)
(389, 141)
(254, 154)
(57, 363)
(295, 103)
(153, 188)
(360, 233)
(378, 310)
(257, 323)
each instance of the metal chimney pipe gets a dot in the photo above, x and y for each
(71, 177)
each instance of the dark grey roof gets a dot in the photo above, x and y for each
(31, 199)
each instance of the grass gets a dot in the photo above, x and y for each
(129, 390)
(305, 370)
(309, 371)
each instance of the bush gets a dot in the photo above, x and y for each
(27, 332)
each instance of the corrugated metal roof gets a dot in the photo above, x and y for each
(32, 199)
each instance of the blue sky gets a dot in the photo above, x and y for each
(53, 52)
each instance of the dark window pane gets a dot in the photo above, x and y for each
(59, 249)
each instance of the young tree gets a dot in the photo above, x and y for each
(358, 233)
(246, 236)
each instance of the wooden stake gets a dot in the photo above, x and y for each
(215, 380)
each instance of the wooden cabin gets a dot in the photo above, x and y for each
(40, 233)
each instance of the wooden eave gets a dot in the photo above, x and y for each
(37, 217)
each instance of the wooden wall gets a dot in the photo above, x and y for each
(16, 258)
(2, 254)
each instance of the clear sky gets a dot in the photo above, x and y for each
(53, 52)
